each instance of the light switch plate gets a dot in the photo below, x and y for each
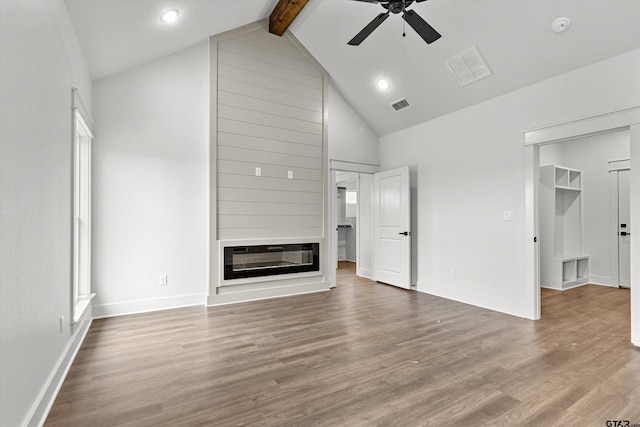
(290, 174)
(258, 171)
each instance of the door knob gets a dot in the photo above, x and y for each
(405, 233)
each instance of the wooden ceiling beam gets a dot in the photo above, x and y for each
(284, 14)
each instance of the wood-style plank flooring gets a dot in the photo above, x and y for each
(363, 354)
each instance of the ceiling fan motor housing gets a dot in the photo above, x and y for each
(397, 6)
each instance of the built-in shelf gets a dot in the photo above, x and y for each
(575, 271)
(562, 261)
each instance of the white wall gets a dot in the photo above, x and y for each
(592, 155)
(40, 62)
(150, 185)
(350, 137)
(468, 167)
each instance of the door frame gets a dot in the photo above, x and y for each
(628, 118)
(615, 166)
(331, 234)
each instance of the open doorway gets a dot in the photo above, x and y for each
(628, 118)
(579, 202)
(351, 218)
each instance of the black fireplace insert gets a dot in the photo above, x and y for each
(266, 260)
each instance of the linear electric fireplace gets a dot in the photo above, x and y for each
(266, 260)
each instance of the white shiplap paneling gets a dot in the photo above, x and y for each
(270, 111)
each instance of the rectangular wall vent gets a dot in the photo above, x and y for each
(469, 66)
(400, 104)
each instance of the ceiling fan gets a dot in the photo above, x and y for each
(426, 31)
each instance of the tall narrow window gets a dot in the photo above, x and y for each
(81, 216)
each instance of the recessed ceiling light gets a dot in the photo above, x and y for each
(382, 84)
(560, 25)
(169, 16)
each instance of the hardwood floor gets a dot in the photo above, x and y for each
(363, 354)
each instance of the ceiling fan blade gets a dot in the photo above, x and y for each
(359, 38)
(426, 31)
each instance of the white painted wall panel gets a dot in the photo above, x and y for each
(270, 222)
(269, 145)
(276, 196)
(270, 114)
(252, 78)
(267, 119)
(262, 106)
(248, 63)
(272, 43)
(267, 183)
(150, 182)
(266, 208)
(234, 167)
(264, 233)
(271, 56)
(40, 61)
(268, 132)
(264, 157)
(280, 96)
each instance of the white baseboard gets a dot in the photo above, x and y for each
(364, 272)
(147, 305)
(46, 398)
(602, 281)
(502, 305)
(231, 297)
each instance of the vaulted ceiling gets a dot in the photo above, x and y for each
(514, 36)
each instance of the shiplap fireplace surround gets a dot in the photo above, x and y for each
(268, 157)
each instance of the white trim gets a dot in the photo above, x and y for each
(267, 293)
(532, 242)
(366, 273)
(43, 404)
(575, 285)
(347, 166)
(613, 227)
(147, 305)
(635, 243)
(81, 108)
(81, 306)
(586, 126)
(502, 305)
(601, 281)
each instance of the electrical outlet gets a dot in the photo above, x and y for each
(507, 216)
(258, 171)
(163, 279)
(452, 273)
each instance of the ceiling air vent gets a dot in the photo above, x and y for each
(400, 104)
(469, 66)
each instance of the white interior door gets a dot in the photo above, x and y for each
(392, 227)
(624, 229)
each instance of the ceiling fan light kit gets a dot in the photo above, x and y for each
(415, 21)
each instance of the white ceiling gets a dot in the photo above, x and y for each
(514, 36)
